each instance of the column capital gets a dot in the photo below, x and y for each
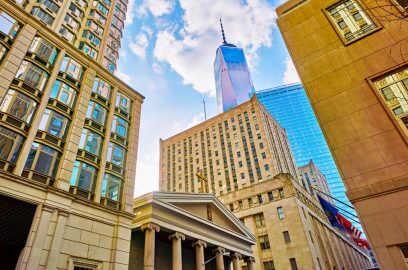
(250, 259)
(219, 250)
(150, 226)
(236, 255)
(177, 235)
(200, 243)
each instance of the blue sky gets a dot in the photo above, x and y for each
(167, 54)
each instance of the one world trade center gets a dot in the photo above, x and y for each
(232, 78)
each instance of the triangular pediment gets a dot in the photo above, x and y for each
(199, 205)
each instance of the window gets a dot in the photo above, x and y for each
(240, 205)
(102, 88)
(123, 102)
(120, 126)
(293, 265)
(43, 159)
(42, 16)
(54, 123)
(96, 112)
(393, 88)
(8, 25)
(259, 220)
(403, 4)
(269, 265)
(350, 19)
(261, 145)
(111, 187)
(18, 105)
(281, 215)
(96, 28)
(90, 142)
(116, 154)
(260, 199)
(92, 38)
(100, 7)
(63, 93)
(270, 196)
(43, 49)
(263, 155)
(250, 203)
(264, 242)
(84, 176)
(238, 154)
(65, 33)
(69, 20)
(266, 166)
(10, 145)
(88, 50)
(32, 75)
(286, 237)
(50, 5)
(281, 193)
(76, 11)
(72, 68)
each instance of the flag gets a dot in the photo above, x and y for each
(339, 221)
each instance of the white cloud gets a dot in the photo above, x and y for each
(130, 13)
(147, 173)
(191, 50)
(157, 68)
(290, 75)
(197, 119)
(156, 7)
(139, 45)
(123, 76)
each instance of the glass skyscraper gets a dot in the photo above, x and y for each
(232, 78)
(290, 106)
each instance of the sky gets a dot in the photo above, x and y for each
(168, 51)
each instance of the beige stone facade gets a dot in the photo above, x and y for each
(232, 150)
(178, 231)
(69, 135)
(352, 59)
(291, 228)
(94, 27)
(313, 180)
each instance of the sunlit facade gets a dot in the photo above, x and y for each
(68, 145)
(232, 77)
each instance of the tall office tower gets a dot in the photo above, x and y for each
(233, 81)
(243, 157)
(232, 150)
(289, 105)
(312, 179)
(68, 145)
(94, 27)
(352, 61)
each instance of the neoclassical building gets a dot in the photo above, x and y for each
(187, 231)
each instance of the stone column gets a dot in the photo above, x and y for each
(250, 263)
(219, 258)
(199, 254)
(176, 249)
(150, 233)
(235, 260)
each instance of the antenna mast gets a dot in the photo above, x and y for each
(205, 112)
(223, 33)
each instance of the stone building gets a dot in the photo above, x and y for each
(68, 145)
(312, 179)
(93, 27)
(291, 228)
(225, 151)
(187, 231)
(232, 150)
(352, 58)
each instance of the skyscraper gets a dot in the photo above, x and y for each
(290, 107)
(94, 27)
(232, 78)
(68, 142)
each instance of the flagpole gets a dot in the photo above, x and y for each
(345, 211)
(337, 200)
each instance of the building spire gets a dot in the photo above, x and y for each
(223, 34)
